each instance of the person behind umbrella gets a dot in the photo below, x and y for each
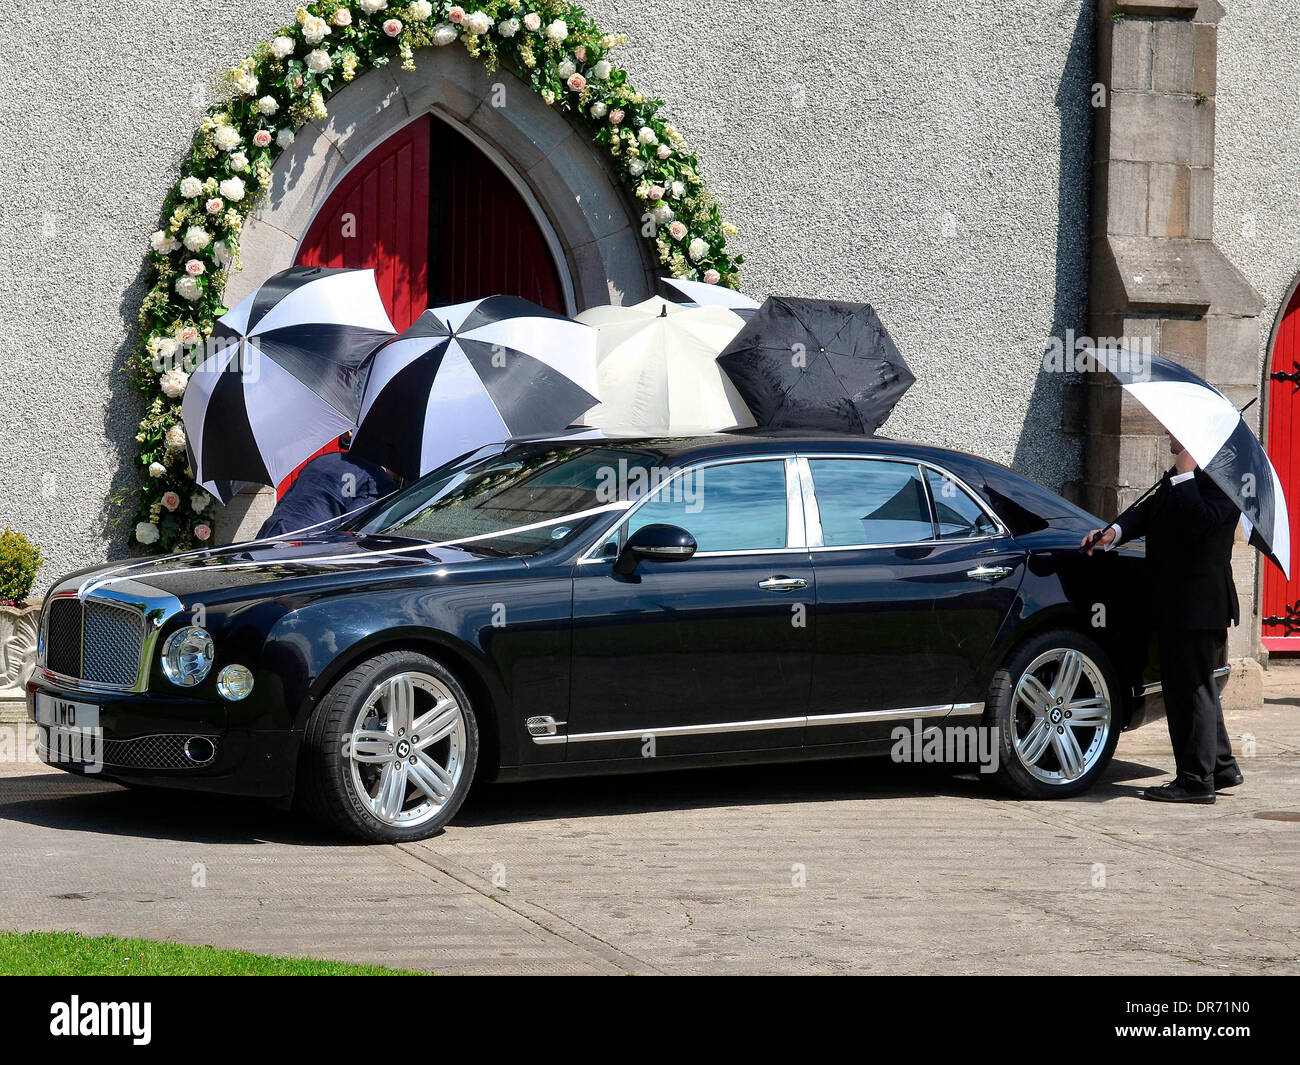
(1189, 524)
(329, 486)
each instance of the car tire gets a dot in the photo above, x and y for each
(367, 772)
(1055, 737)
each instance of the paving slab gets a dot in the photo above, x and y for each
(842, 867)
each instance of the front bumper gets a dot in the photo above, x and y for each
(143, 738)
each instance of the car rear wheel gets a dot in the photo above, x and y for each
(1055, 704)
(390, 751)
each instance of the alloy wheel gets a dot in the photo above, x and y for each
(1061, 716)
(407, 749)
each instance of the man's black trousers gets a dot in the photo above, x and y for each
(1188, 658)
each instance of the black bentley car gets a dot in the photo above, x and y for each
(568, 607)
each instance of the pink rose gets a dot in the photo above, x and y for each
(532, 21)
(656, 192)
(194, 268)
(456, 15)
(262, 138)
(677, 230)
(171, 500)
(214, 205)
(189, 336)
(202, 532)
(393, 27)
(616, 116)
(580, 54)
(343, 17)
(712, 277)
(576, 82)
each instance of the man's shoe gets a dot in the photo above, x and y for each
(1227, 780)
(1176, 792)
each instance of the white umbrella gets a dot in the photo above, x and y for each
(658, 370)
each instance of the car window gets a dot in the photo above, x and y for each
(864, 501)
(957, 514)
(738, 506)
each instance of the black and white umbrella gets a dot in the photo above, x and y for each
(817, 364)
(479, 372)
(287, 375)
(701, 294)
(1210, 427)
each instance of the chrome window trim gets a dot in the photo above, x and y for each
(815, 535)
(154, 607)
(589, 556)
(768, 724)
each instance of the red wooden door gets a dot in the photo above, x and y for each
(1281, 598)
(438, 222)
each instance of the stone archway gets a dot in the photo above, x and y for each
(595, 223)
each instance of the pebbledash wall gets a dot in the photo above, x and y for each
(934, 160)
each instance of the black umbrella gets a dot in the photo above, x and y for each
(817, 364)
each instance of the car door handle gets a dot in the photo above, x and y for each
(783, 584)
(990, 573)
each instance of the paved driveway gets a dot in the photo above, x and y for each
(847, 867)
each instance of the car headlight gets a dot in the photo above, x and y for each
(187, 656)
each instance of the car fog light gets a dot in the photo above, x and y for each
(187, 656)
(235, 682)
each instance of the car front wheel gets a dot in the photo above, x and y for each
(1055, 704)
(390, 752)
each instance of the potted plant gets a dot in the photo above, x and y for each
(19, 561)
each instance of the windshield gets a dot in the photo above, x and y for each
(496, 497)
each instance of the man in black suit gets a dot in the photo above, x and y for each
(1189, 525)
(329, 486)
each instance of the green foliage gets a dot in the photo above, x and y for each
(283, 85)
(19, 561)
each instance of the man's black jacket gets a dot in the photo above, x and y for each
(1189, 528)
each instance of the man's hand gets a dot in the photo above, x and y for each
(1097, 538)
(1184, 463)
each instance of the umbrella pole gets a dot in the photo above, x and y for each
(1122, 514)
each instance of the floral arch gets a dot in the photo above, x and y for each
(551, 45)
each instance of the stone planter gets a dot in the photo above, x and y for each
(17, 648)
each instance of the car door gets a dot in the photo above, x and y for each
(713, 653)
(911, 589)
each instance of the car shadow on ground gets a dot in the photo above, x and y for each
(84, 804)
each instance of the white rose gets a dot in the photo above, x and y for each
(163, 244)
(315, 29)
(233, 189)
(282, 47)
(602, 69)
(662, 214)
(636, 168)
(244, 82)
(444, 33)
(478, 22)
(318, 61)
(268, 105)
(698, 249)
(284, 138)
(531, 21)
(646, 135)
(599, 109)
(557, 30)
(508, 28)
(371, 6)
(163, 349)
(187, 288)
(566, 67)
(173, 382)
(221, 254)
(175, 438)
(156, 469)
(191, 188)
(422, 11)
(238, 161)
(226, 138)
(146, 532)
(197, 238)
(199, 501)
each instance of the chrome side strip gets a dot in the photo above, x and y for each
(1143, 690)
(766, 724)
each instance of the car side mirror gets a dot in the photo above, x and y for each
(657, 543)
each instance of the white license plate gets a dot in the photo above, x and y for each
(65, 713)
